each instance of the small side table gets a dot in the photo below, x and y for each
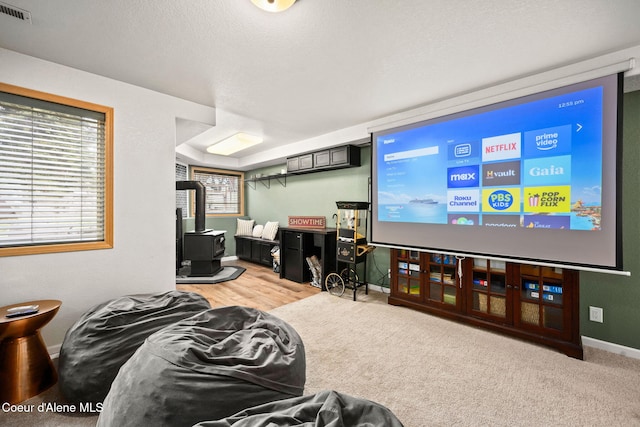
(25, 366)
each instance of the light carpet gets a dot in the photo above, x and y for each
(435, 372)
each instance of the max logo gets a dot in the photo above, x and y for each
(463, 176)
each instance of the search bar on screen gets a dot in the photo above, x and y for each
(409, 154)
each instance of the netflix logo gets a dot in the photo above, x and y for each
(501, 147)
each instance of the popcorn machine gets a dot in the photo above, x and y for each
(352, 248)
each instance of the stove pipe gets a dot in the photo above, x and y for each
(201, 195)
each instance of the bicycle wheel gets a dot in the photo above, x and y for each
(334, 284)
(350, 276)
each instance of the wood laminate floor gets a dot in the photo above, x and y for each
(258, 287)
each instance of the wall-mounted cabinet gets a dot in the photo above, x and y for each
(539, 304)
(322, 159)
(345, 156)
(300, 163)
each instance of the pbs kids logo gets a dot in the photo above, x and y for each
(500, 200)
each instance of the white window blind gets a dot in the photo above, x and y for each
(223, 188)
(52, 172)
(182, 196)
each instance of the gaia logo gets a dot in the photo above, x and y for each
(500, 200)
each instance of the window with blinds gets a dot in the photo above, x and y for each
(182, 196)
(55, 173)
(225, 195)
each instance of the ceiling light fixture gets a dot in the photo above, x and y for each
(234, 143)
(273, 5)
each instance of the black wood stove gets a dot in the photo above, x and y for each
(203, 248)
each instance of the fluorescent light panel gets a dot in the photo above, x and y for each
(234, 143)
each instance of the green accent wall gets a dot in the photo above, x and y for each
(619, 296)
(315, 194)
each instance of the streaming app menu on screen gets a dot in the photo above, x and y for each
(536, 165)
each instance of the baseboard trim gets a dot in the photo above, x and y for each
(622, 350)
(54, 350)
(378, 288)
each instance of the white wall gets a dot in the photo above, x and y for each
(143, 257)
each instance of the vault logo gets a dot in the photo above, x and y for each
(501, 147)
(464, 176)
(504, 173)
(501, 200)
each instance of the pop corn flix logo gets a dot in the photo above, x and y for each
(500, 200)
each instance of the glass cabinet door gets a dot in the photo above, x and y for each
(407, 272)
(489, 290)
(541, 294)
(442, 280)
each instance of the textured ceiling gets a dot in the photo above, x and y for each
(322, 65)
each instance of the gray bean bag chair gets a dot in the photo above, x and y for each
(324, 409)
(209, 366)
(104, 338)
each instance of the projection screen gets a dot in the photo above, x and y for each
(534, 178)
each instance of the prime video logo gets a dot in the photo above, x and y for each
(547, 141)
